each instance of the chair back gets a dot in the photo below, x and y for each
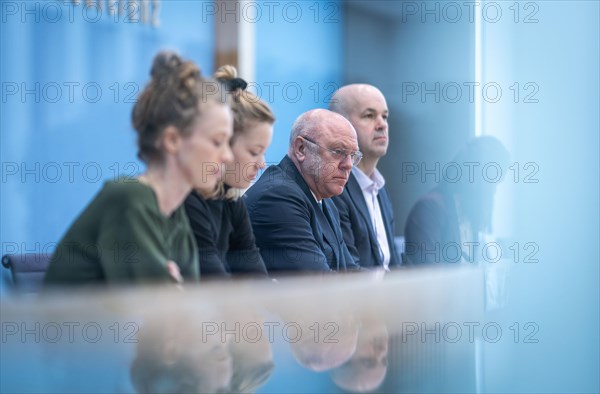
(27, 270)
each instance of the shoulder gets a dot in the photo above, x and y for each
(433, 199)
(235, 206)
(275, 175)
(129, 203)
(431, 206)
(352, 190)
(274, 184)
(118, 198)
(342, 202)
(128, 192)
(384, 192)
(385, 200)
(195, 205)
(194, 200)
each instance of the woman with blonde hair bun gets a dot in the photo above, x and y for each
(135, 229)
(219, 219)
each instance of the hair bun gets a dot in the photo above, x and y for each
(234, 84)
(165, 63)
(227, 75)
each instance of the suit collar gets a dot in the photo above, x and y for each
(290, 170)
(356, 195)
(376, 180)
(387, 215)
(358, 198)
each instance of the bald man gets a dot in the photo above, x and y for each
(366, 369)
(365, 208)
(296, 225)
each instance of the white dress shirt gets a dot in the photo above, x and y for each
(370, 187)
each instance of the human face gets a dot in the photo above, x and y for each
(369, 116)
(214, 363)
(320, 356)
(206, 148)
(367, 367)
(329, 174)
(249, 155)
(372, 345)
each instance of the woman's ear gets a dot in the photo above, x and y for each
(171, 139)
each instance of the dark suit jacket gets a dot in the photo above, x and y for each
(292, 231)
(432, 228)
(224, 237)
(358, 229)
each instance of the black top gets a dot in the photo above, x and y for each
(431, 228)
(224, 237)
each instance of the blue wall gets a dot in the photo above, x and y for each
(559, 133)
(72, 132)
(300, 58)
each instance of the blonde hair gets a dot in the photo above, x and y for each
(247, 109)
(246, 106)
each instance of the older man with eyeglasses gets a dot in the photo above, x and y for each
(296, 225)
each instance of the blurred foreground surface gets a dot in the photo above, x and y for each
(442, 329)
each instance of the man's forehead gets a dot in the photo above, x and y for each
(339, 133)
(341, 123)
(369, 99)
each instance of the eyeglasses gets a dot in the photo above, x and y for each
(339, 154)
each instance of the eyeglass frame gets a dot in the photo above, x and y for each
(339, 152)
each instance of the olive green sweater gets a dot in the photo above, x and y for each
(122, 237)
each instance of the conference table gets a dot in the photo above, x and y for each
(443, 328)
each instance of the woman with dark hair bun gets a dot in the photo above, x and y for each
(135, 229)
(219, 218)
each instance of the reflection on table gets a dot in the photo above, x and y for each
(344, 333)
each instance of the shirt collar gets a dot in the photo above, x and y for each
(315, 197)
(374, 182)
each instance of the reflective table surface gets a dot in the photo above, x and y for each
(442, 329)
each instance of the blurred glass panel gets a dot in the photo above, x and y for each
(312, 334)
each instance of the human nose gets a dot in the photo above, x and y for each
(227, 156)
(262, 163)
(347, 162)
(381, 123)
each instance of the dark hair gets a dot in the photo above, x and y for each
(173, 97)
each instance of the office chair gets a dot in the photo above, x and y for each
(27, 270)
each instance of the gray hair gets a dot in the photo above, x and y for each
(306, 124)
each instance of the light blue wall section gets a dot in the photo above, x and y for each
(70, 75)
(299, 62)
(558, 132)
